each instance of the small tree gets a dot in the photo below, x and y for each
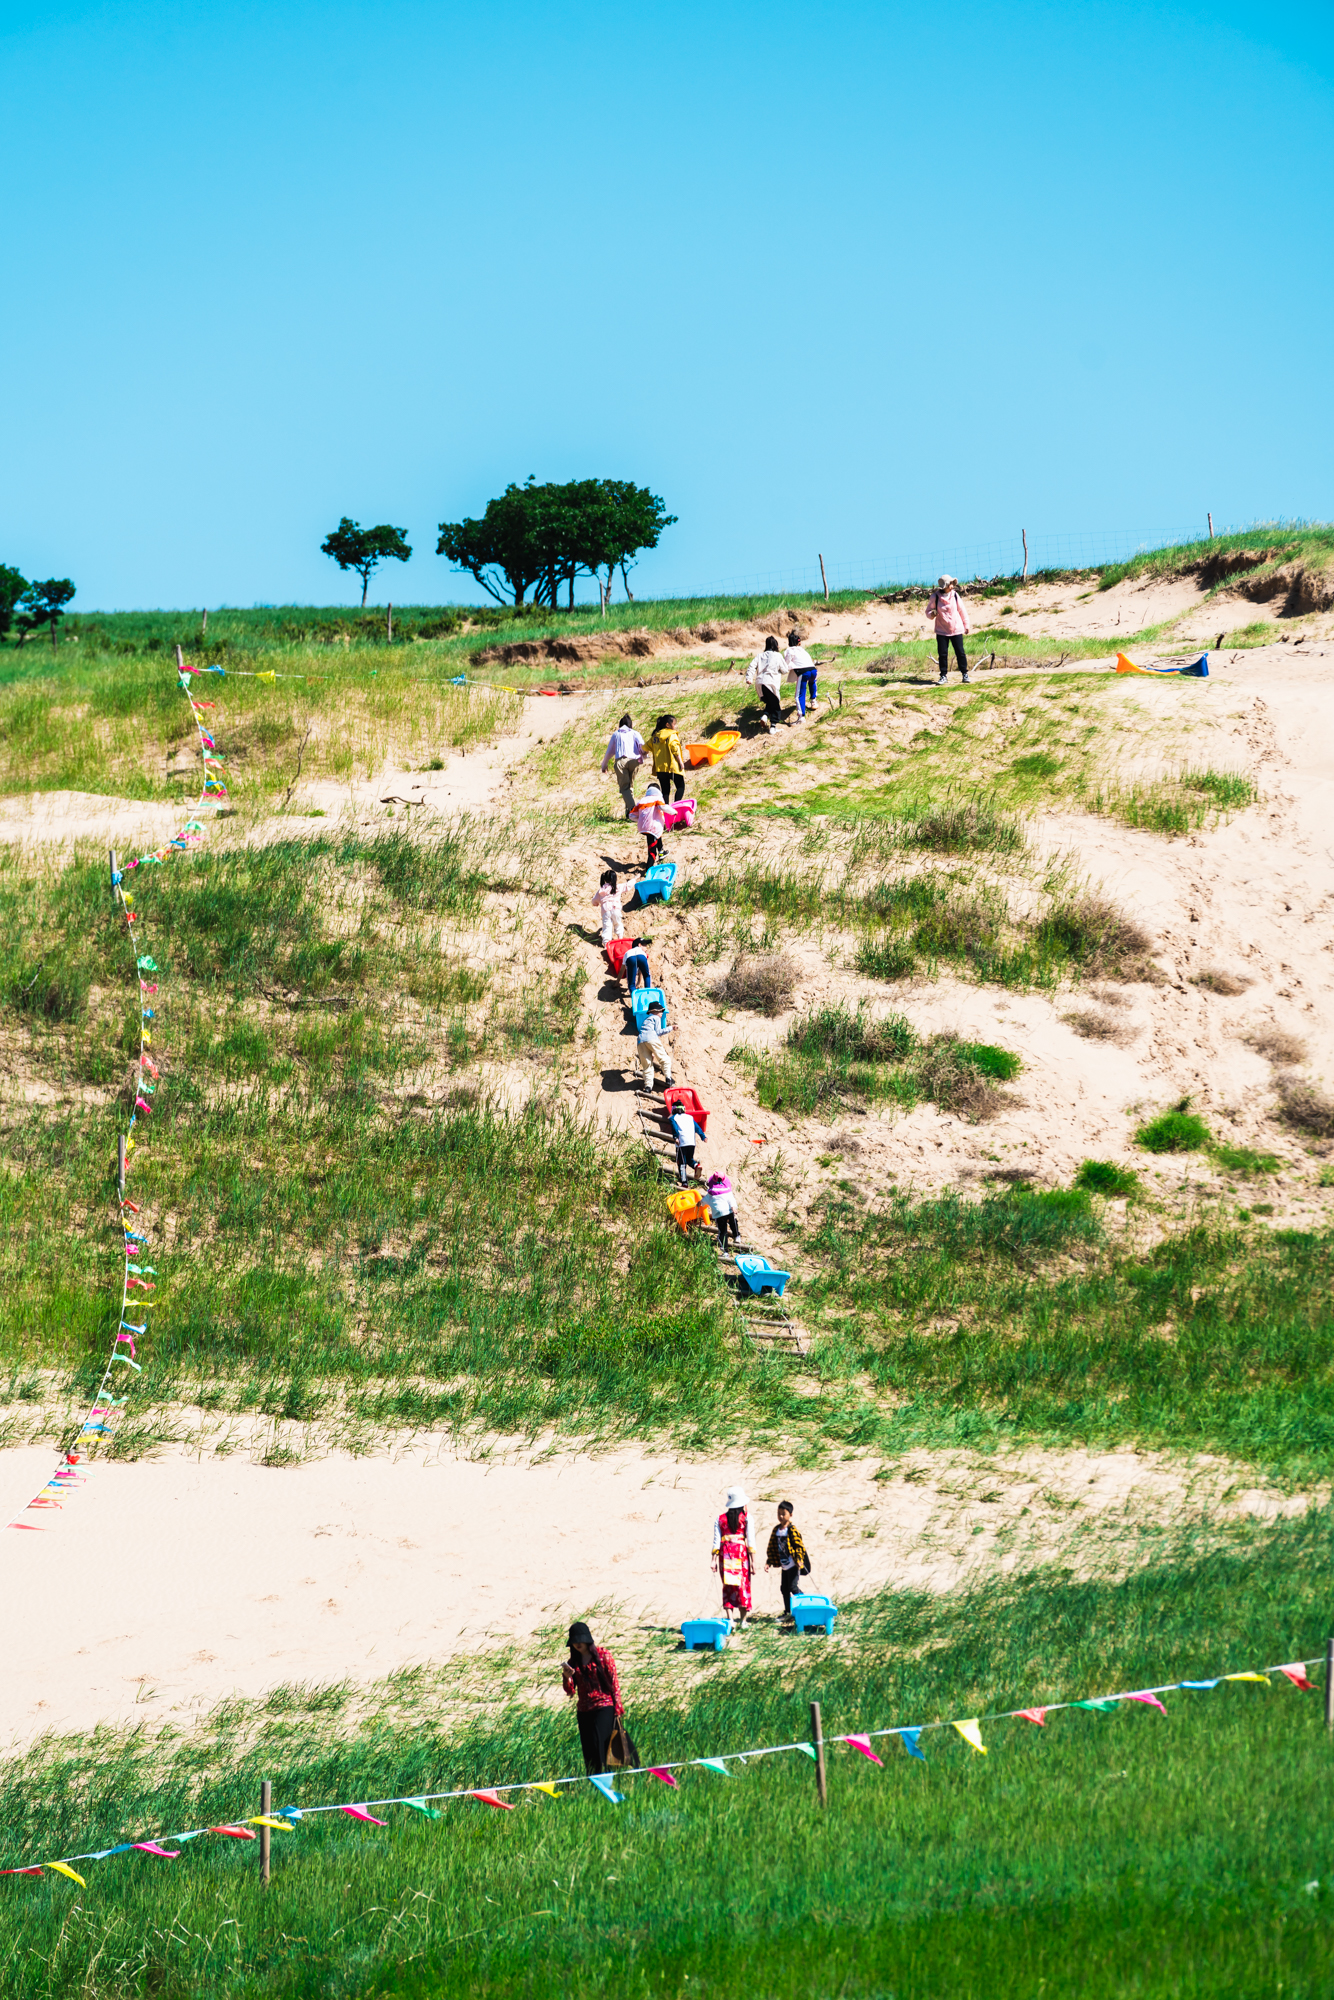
(44, 604)
(12, 587)
(364, 549)
(626, 519)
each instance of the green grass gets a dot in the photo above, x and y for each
(1105, 1854)
(1178, 1131)
(1243, 1160)
(835, 1052)
(1303, 541)
(1105, 1177)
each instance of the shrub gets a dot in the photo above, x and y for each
(1038, 764)
(886, 958)
(960, 929)
(951, 1077)
(1101, 939)
(1177, 1131)
(1304, 1105)
(1217, 981)
(1002, 1065)
(763, 981)
(855, 1037)
(1105, 1177)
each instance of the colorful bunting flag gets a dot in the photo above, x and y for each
(713, 1764)
(1296, 1673)
(61, 1868)
(1247, 1677)
(492, 1799)
(863, 1743)
(604, 1785)
(1149, 1701)
(1038, 1715)
(912, 1744)
(971, 1733)
(420, 1805)
(657, 1771)
(360, 1812)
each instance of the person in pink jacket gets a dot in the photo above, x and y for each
(946, 608)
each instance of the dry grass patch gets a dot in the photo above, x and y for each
(1282, 1048)
(1100, 938)
(763, 981)
(1100, 1027)
(1216, 980)
(1305, 1105)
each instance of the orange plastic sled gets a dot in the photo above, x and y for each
(688, 1206)
(717, 746)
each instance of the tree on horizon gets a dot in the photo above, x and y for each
(364, 549)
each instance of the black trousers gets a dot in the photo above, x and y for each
(724, 1223)
(773, 704)
(666, 779)
(944, 640)
(654, 848)
(685, 1157)
(790, 1580)
(595, 1727)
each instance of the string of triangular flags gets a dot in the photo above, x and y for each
(139, 1278)
(286, 1819)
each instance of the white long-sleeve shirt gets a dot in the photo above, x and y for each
(799, 661)
(766, 669)
(624, 743)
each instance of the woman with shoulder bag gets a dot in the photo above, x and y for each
(590, 1675)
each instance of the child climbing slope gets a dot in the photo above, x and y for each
(652, 1046)
(649, 819)
(607, 903)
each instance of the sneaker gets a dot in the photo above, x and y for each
(766, 725)
(965, 680)
(942, 680)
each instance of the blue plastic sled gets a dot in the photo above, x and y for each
(761, 1276)
(658, 881)
(713, 1632)
(645, 997)
(811, 1613)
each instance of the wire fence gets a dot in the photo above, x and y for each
(999, 558)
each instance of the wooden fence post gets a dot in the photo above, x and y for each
(265, 1806)
(1024, 535)
(1329, 1685)
(1210, 519)
(824, 580)
(817, 1737)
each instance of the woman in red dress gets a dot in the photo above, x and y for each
(734, 1555)
(590, 1675)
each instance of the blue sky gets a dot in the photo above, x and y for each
(869, 280)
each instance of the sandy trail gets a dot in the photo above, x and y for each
(166, 1585)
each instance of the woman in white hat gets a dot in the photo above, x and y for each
(734, 1554)
(946, 608)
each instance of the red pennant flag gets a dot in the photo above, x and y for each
(493, 1799)
(1038, 1715)
(236, 1832)
(1297, 1675)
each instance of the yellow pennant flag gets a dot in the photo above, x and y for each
(63, 1868)
(972, 1734)
(267, 1819)
(266, 677)
(545, 1788)
(1247, 1677)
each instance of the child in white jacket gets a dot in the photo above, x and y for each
(607, 903)
(653, 1046)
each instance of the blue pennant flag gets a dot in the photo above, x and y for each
(607, 1789)
(911, 1745)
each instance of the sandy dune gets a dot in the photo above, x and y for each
(167, 1585)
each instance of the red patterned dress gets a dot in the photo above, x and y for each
(736, 1562)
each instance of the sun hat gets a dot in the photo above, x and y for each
(652, 793)
(942, 581)
(581, 1636)
(718, 1181)
(736, 1497)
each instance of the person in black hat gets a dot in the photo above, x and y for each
(590, 1674)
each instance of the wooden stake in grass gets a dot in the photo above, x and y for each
(824, 580)
(1210, 519)
(265, 1806)
(1329, 1685)
(180, 661)
(817, 1738)
(1023, 532)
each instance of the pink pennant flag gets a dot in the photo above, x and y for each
(863, 1743)
(1038, 1715)
(1296, 1673)
(360, 1812)
(493, 1799)
(1149, 1700)
(152, 1847)
(656, 1771)
(236, 1832)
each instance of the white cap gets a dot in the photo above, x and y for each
(736, 1497)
